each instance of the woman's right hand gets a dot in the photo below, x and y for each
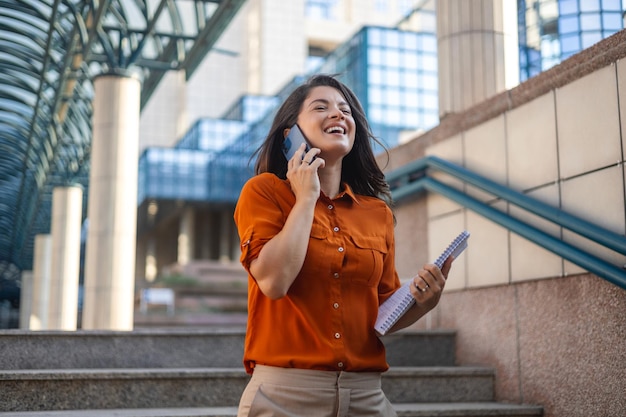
(302, 173)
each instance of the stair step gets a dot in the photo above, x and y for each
(438, 384)
(466, 409)
(133, 412)
(182, 348)
(471, 409)
(23, 390)
(39, 390)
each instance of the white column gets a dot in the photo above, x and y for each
(112, 209)
(67, 210)
(151, 262)
(41, 282)
(186, 236)
(26, 299)
(477, 51)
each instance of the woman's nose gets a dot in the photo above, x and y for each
(336, 113)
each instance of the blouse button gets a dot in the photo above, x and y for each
(336, 305)
(336, 275)
(337, 335)
(330, 207)
(335, 229)
(340, 249)
(340, 364)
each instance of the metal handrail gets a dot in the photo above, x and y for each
(412, 179)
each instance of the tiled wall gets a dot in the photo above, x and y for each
(564, 148)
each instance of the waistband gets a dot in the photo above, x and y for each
(316, 379)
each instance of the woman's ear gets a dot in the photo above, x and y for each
(285, 133)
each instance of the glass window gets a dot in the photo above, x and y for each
(374, 36)
(568, 6)
(590, 6)
(611, 5)
(374, 76)
(590, 22)
(410, 61)
(392, 39)
(410, 80)
(430, 63)
(570, 43)
(321, 9)
(409, 41)
(374, 56)
(590, 38)
(429, 43)
(569, 25)
(612, 21)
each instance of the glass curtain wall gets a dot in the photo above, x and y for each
(553, 30)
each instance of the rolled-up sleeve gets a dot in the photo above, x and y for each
(258, 215)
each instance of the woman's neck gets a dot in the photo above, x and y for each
(330, 180)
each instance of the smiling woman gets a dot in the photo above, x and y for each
(317, 240)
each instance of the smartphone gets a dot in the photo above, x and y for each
(293, 141)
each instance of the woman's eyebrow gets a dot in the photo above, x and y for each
(324, 101)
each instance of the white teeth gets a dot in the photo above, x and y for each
(334, 129)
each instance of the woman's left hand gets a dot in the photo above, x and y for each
(428, 284)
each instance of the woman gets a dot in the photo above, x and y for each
(317, 241)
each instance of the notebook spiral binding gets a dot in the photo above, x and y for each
(393, 308)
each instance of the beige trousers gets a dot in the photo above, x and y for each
(288, 392)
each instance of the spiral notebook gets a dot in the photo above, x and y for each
(395, 306)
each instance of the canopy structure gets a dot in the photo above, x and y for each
(50, 51)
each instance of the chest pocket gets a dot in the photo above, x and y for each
(368, 261)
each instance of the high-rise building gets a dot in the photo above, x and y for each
(385, 51)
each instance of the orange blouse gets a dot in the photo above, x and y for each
(326, 320)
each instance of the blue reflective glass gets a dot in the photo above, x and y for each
(375, 114)
(611, 5)
(590, 5)
(590, 22)
(570, 43)
(569, 25)
(612, 21)
(410, 61)
(375, 95)
(590, 38)
(409, 41)
(429, 43)
(391, 58)
(392, 77)
(392, 39)
(393, 117)
(374, 56)
(375, 76)
(410, 80)
(568, 6)
(374, 36)
(429, 63)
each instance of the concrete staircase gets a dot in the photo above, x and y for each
(198, 372)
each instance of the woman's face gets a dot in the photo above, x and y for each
(326, 121)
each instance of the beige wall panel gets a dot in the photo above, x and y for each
(441, 232)
(621, 85)
(411, 233)
(485, 153)
(588, 123)
(594, 198)
(597, 197)
(531, 144)
(487, 253)
(451, 150)
(528, 260)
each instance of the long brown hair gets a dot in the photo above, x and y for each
(359, 169)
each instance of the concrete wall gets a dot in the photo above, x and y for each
(555, 333)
